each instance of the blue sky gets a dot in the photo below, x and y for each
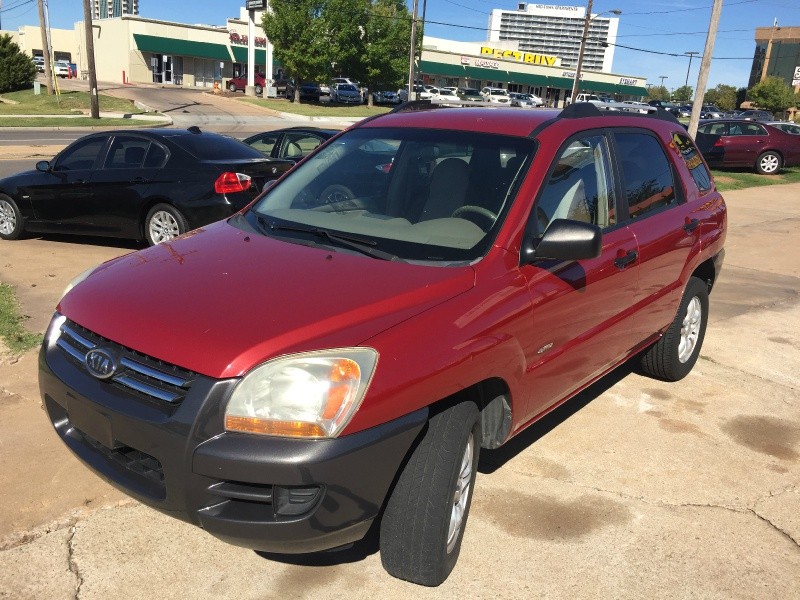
(653, 29)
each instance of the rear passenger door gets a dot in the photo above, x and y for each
(581, 310)
(666, 226)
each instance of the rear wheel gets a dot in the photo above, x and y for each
(232, 87)
(769, 163)
(425, 517)
(163, 223)
(11, 222)
(259, 89)
(674, 355)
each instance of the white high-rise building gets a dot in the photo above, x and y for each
(557, 31)
(107, 9)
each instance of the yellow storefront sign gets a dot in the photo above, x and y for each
(525, 57)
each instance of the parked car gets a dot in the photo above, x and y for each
(469, 95)
(756, 115)
(634, 106)
(292, 143)
(684, 110)
(412, 293)
(240, 83)
(38, 61)
(710, 111)
(525, 100)
(308, 91)
(346, 93)
(61, 68)
(591, 98)
(496, 95)
(739, 143)
(386, 97)
(446, 97)
(792, 128)
(362, 90)
(402, 93)
(144, 184)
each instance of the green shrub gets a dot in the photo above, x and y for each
(17, 70)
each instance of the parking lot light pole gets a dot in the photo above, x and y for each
(691, 55)
(582, 49)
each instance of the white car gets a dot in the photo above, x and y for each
(525, 100)
(446, 97)
(496, 96)
(61, 68)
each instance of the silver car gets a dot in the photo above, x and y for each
(346, 93)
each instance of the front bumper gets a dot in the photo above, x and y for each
(271, 494)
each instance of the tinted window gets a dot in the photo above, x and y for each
(580, 186)
(265, 143)
(691, 156)
(297, 145)
(81, 155)
(156, 156)
(745, 128)
(646, 173)
(215, 147)
(126, 153)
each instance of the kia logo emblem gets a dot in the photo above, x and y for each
(100, 363)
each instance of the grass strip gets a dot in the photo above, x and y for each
(739, 179)
(16, 337)
(66, 103)
(76, 122)
(313, 109)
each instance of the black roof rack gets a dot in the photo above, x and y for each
(580, 110)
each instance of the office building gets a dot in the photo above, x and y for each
(108, 9)
(557, 31)
(777, 54)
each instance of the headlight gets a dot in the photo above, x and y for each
(305, 395)
(75, 281)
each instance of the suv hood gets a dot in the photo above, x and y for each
(219, 300)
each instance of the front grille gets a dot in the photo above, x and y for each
(144, 375)
(132, 459)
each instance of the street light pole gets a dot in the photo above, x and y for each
(413, 52)
(582, 48)
(662, 78)
(690, 55)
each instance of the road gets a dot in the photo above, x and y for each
(634, 489)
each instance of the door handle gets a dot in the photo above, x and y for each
(690, 226)
(623, 261)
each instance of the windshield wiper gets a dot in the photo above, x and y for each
(356, 243)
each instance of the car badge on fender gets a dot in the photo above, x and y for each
(100, 363)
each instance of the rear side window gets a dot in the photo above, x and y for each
(215, 147)
(126, 153)
(691, 156)
(646, 172)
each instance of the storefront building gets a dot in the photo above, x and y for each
(502, 64)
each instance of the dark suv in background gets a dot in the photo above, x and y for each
(429, 283)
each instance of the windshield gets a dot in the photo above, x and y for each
(417, 194)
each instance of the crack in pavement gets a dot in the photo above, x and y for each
(72, 563)
(783, 532)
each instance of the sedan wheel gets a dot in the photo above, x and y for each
(163, 224)
(232, 87)
(10, 219)
(768, 163)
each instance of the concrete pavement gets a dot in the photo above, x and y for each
(634, 489)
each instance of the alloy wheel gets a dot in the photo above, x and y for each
(163, 227)
(460, 495)
(690, 329)
(8, 218)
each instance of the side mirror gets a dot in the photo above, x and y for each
(565, 239)
(43, 165)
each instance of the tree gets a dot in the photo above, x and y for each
(741, 96)
(723, 96)
(387, 40)
(17, 70)
(773, 94)
(658, 92)
(683, 93)
(297, 30)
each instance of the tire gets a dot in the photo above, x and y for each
(11, 222)
(425, 516)
(163, 223)
(259, 89)
(769, 163)
(674, 355)
(232, 87)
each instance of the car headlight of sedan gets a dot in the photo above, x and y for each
(309, 395)
(76, 280)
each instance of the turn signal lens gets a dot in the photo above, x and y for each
(228, 183)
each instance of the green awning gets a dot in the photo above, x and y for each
(565, 83)
(163, 45)
(631, 90)
(444, 69)
(240, 55)
(531, 79)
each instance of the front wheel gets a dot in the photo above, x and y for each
(769, 163)
(673, 356)
(11, 225)
(259, 90)
(425, 516)
(163, 223)
(232, 87)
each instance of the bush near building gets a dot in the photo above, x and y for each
(17, 70)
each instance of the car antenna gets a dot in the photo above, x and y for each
(194, 129)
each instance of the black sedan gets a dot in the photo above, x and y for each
(292, 143)
(145, 184)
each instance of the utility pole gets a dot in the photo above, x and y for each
(48, 68)
(705, 67)
(87, 25)
(413, 52)
(691, 55)
(576, 83)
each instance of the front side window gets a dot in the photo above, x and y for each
(646, 173)
(580, 186)
(81, 155)
(417, 194)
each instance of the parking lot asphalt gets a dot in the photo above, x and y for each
(634, 489)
